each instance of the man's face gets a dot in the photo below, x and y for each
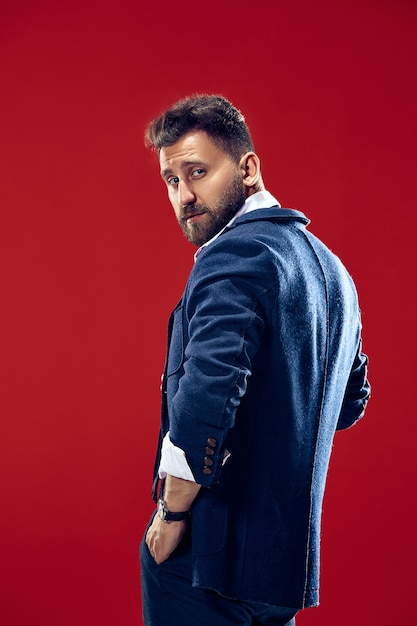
(205, 186)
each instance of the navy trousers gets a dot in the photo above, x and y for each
(168, 597)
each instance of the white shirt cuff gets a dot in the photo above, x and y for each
(173, 461)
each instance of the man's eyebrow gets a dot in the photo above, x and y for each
(182, 166)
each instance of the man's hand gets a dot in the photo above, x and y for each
(163, 537)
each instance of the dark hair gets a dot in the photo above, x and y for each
(212, 114)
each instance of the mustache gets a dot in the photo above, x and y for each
(193, 209)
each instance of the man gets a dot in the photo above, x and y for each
(264, 363)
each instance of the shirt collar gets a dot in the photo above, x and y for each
(259, 200)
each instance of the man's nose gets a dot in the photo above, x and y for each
(185, 193)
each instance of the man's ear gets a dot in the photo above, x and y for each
(250, 167)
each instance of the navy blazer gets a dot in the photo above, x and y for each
(264, 361)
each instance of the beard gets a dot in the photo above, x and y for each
(215, 217)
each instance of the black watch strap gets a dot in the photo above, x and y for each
(170, 516)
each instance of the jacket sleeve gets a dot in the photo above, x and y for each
(225, 324)
(357, 392)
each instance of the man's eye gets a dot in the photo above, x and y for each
(173, 181)
(197, 172)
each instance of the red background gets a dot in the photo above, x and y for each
(92, 261)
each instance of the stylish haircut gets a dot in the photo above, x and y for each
(213, 114)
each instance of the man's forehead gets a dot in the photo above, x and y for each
(193, 148)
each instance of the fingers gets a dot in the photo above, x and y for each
(162, 538)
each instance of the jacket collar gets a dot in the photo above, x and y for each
(273, 214)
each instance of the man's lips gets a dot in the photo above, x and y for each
(193, 217)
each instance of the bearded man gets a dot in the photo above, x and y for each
(264, 364)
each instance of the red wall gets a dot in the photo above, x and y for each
(92, 260)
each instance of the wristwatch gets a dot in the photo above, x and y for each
(169, 516)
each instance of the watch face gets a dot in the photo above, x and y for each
(161, 510)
